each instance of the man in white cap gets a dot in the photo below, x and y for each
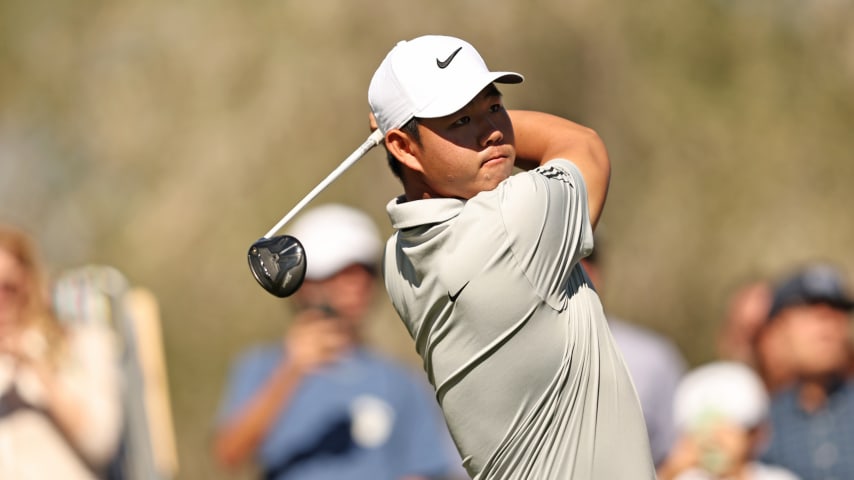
(721, 412)
(319, 405)
(484, 272)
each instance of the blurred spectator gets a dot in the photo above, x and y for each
(100, 297)
(60, 412)
(773, 361)
(812, 421)
(319, 404)
(655, 364)
(746, 336)
(746, 311)
(720, 410)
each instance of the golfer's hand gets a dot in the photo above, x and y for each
(314, 340)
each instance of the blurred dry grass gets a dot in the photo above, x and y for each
(163, 138)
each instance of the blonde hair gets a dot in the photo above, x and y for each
(37, 312)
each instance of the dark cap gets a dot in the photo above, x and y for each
(817, 283)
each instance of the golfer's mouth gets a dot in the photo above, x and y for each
(495, 158)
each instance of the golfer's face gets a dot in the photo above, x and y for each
(469, 151)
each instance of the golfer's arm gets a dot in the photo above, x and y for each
(541, 137)
(238, 439)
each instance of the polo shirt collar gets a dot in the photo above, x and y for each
(836, 392)
(407, 214)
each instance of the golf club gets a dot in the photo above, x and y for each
(278, 263)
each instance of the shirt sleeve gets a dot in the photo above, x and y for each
(546, 217)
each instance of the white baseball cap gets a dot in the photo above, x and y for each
(334, 237)
(429, 77)
(720, 390)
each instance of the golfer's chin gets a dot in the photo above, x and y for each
(492, 177)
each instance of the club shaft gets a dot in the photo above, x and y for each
(372, 141)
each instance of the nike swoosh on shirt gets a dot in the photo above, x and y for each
(447, 61)
(453, 296)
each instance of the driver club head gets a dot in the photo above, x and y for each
(278, 264)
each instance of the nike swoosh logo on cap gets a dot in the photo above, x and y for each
(447, 61)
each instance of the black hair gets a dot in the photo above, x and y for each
(411, 129)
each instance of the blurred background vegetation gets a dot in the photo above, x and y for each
(163, 138)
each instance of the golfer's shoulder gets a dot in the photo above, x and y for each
(555, 182)
(553, 177)
(561, 170)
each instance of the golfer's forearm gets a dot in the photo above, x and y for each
(238, 440)
(541, 137)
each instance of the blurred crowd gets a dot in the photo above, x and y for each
(320, 403)
(78, 359)
(778, 403)
(59, 399)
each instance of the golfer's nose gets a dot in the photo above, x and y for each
(492, 134)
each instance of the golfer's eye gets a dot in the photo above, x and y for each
(461, 121)
(496, 108)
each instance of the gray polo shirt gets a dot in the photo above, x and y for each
(513, 336)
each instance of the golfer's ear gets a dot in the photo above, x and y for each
(404, 148)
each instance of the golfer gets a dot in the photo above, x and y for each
(484, 271)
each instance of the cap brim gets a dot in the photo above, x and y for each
(462, 95)
(843, 304)
(509, 77)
